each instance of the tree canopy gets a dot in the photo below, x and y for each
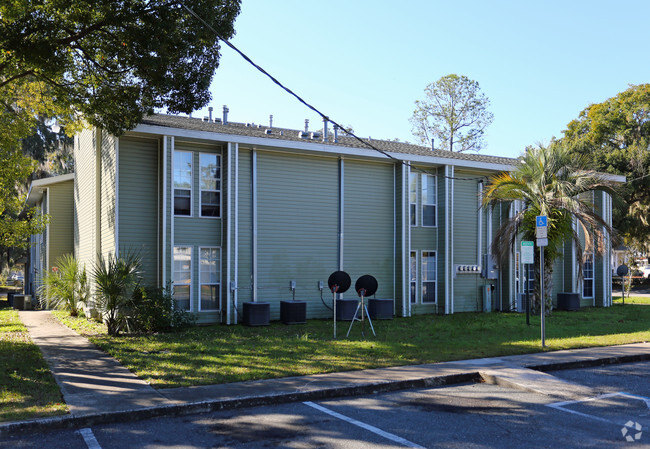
(103, 62)
(454, 112)
(113, 61)
(615, 135)
(550, 181)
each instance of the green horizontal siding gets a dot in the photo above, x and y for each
(139, 202)
(369, 230)
(297, 227)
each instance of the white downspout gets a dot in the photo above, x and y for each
(406, 252)
(228, 232)
(254, 195)
(236, 268)
(341, 210)
(451, 238)
(164, 214)
(409, 306)
(446, 265)
(479, 242)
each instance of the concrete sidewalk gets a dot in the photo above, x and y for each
(98, 389)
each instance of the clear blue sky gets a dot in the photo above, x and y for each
(365, 62)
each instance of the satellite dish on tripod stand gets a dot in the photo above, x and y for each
(366, 285)
(338, 282)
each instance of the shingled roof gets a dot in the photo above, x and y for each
(262, 131)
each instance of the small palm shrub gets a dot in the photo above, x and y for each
(66, 286)
(116, 281)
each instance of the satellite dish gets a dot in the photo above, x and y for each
(339, 282)
(622, 270)
(366, 285)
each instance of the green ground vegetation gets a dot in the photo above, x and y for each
(220, 354)
(27, 387)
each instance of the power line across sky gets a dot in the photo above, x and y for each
(364, 63)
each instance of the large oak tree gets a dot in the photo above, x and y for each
(103, 62)
(615, 135)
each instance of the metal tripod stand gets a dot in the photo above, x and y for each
(364, 312)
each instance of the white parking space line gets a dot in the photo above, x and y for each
(365, 426)
(561, 405)
(89, 438)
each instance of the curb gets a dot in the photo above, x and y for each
(69, 421)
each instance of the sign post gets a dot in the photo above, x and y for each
(541, 228)
(527, 258)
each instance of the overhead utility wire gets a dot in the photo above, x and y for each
(301, 100)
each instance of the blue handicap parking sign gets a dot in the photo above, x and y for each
(541, 221)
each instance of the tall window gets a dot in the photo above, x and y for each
(413, 276)
(517, 273)
(588, 276)
(428, 276)
(530, 277)
(182, 277)
(413, 198)
(182, 183)
(428, 200)
(210, 184)
(209, 279)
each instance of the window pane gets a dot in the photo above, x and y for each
(210, 204)
(210, 172)
(182, 169)
(428, 266)
(182, 296)
(182, 202)
(413, 197)
(209, 297)
(428, 292)
(428, 215)
(414, 276)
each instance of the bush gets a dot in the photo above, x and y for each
(153, 311)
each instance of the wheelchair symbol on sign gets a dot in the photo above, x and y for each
(541, 221)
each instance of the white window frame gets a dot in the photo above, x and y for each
(202, 282)
(429, 180)
(423, 274)
(174, 271)
(413, 277)
(413, 199)
(590, 256)
(191, 189)
(201, 189)
(518, 271)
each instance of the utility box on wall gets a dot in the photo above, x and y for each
(489, 269)
(487, 298)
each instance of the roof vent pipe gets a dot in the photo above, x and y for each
(325, 121)
(306, 125)
(210, 109)
(433, 148)
(336, 133)
(225, 114)
(271, 121)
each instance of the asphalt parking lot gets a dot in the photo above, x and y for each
(458, 416)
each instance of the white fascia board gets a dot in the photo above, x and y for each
(311, 146)
(35, 189)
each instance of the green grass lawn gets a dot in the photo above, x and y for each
(27, 387)
(219, 354)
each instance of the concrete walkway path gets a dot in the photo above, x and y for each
(98, 389)
(91, 381)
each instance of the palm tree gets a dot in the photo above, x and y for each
(550, 181)
(116, 280)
